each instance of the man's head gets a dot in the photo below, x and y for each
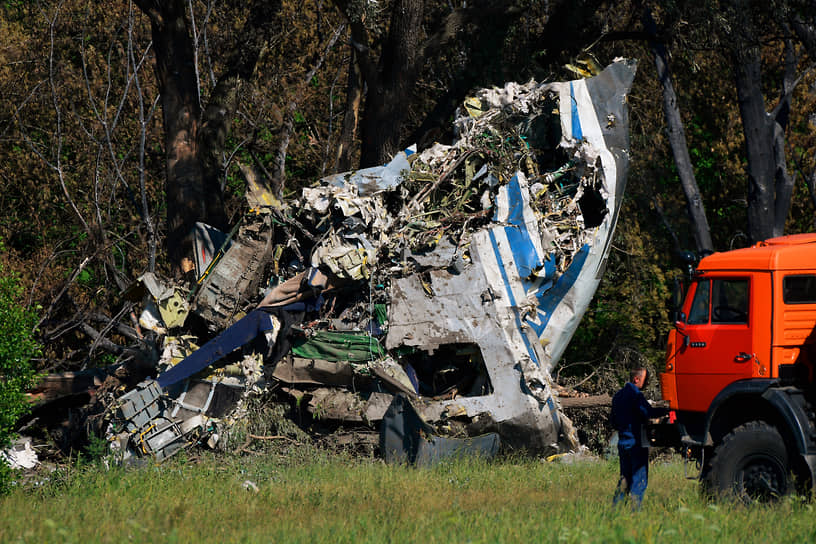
(639, 376)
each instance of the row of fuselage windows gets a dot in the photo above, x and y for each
(727, 300)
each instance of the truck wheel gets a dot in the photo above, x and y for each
(751, 463)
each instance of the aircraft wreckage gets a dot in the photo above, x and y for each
(428, 298)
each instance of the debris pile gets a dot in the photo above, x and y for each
(445, 285)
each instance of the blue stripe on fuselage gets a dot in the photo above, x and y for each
(512, 299)
(525, 256)
(548, 300)
(576, 121)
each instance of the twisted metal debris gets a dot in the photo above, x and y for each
(454, 276)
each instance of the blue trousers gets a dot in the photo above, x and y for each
(634, 474)
(240, 333)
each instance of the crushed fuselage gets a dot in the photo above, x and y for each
(456, 275)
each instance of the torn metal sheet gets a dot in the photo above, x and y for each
(140, 414)
(140, 406)
(151, 422)
(457, 314)
(370, 181)
(162, 439)
(208, 244)
(377, 406)
(212, 399)
(225, 289)
(519, 301)
(151, 318)
(147, 283)
(598, 118)
(396, 376)
(406, 439)
(173, 310)
(165, 307)
(297, 370)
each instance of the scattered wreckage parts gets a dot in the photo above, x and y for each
(229, 279)
(454, 278)
(406, 439)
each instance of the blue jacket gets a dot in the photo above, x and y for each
(629, 411)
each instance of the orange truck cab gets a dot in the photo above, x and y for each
(739, 369)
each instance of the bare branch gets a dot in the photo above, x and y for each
(100, 341)
(195, 49)
(99, 337)
(331, 120)
(57, 164)
(205, 26)
(146, 217)
(289, 115)
(68, 283)
(662, 215)
(116, 323)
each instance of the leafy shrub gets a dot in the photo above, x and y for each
(18, 346)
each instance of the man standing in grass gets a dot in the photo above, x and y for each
(630, 410)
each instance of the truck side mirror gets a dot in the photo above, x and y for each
(688, 259)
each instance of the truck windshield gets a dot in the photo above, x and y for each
(724, 300)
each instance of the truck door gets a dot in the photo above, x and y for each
(715, 344)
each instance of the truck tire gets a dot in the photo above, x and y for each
(750, 463)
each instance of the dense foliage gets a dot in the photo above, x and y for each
(18, 345)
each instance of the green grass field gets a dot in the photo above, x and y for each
(329, 498)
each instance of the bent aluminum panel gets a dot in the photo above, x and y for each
(512, 301)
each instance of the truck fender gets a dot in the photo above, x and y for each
(790, 405)
(797, 416)
(744, 389)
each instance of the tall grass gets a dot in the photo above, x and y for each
(341, 499)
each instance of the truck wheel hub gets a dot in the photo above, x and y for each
(760, 480)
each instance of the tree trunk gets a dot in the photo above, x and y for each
(677, 139)
(175, 72)
(758, 128)
(805, 28)
(810, 181)
(194, 143)
(585, 402)
(495, 19)
(354, 98)
(781, 115)
(389, 82)
(389, 94)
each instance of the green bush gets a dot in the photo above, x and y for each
(18, 345)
